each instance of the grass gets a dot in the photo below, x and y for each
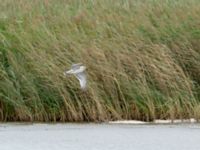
(142, 58)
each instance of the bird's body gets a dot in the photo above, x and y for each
(79, 71)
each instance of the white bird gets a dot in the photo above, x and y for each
(79, 71)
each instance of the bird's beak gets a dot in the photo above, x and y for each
(68, 72)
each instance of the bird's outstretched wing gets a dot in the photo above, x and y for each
(76, 66)
(82, 79)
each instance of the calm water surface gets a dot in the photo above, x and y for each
(99, 137)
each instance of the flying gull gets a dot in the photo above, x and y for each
(79, 71)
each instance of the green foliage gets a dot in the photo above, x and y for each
(142, 58)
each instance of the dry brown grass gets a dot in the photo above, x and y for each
(142, 58)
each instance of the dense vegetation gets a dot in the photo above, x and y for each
(142, 58)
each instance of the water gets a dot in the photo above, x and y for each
(99, 137)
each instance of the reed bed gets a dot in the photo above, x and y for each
(142, 58)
